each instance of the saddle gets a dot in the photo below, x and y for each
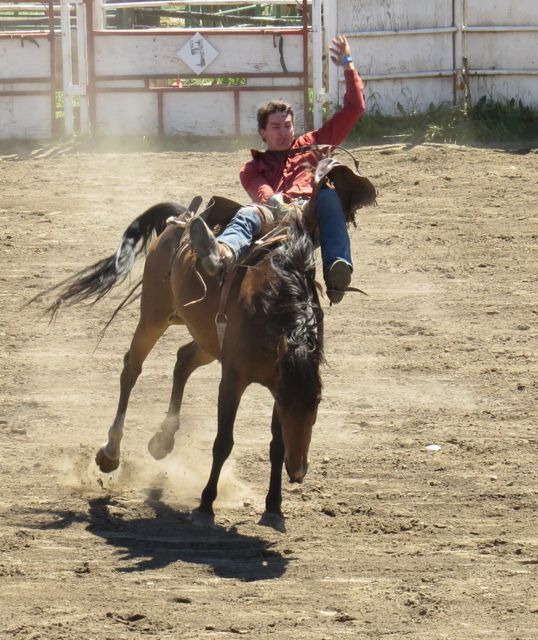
(355, 191)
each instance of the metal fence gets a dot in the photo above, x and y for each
(123, 68)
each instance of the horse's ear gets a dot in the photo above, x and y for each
(283, 347)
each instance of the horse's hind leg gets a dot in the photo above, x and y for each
(189, 358)
(144, 339)
(272, 517)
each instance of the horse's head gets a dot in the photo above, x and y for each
(293, 310)
(297, 400)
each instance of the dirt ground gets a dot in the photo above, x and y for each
(386, 538)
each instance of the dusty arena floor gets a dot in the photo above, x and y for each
(386, 538)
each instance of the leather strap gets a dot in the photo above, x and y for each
(221, 319)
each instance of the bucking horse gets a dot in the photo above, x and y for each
(263, 321)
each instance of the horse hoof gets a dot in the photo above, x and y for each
(203, 519)
(273, 520)
(160, 445)
(106, 464)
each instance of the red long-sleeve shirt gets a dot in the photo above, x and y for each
(271, 172)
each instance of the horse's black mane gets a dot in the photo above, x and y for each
(292, 309)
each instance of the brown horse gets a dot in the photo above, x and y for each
(273, 336)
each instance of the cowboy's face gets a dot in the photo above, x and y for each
(279, 133)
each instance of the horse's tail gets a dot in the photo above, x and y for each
(95, 281)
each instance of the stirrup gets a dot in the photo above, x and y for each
(206, 247)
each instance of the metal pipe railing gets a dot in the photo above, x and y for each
(530, 28)
(162, 3)
(401, 32)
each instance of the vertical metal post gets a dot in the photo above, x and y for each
(237, 112)
(160, 113)
(90, 91)
(305, 64)
(466, 86)
(457, 43)
(52, 41)
(99, 14)
(317, 64)
(67, 68)
(82, 49)
(330, 21)
(463, 25)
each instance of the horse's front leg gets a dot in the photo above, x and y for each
(189, 358)
(230, 391)
(273, 517)
(144, 339)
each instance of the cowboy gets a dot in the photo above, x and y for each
(281, 174)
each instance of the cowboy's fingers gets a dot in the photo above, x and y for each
(323, 151)
(327, 151)
(336, 55)
(343, 46)
(340, 42)
(338, 49)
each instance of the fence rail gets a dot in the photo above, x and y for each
(114, 78)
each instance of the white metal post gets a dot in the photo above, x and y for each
(459, 48)
(99, 14)
(459, 23)
(67, 68)
(317, 65)
(82, 50)
(330, 20)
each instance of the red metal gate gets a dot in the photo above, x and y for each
(138, 84)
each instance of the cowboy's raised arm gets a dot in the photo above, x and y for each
(335, 130)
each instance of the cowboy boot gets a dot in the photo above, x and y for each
(337, 280)
(212, 254)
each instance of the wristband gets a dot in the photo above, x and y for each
(346, 60)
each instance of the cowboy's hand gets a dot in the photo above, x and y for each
(340, 48)
(279, 206)
(322, 151)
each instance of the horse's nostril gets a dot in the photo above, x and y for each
(296, 476)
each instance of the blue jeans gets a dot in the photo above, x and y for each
(333, 235)
(241, 229)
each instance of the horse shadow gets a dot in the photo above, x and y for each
(168, 536)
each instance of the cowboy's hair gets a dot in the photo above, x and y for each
(274, 106)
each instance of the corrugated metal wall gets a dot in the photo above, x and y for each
(410, 53)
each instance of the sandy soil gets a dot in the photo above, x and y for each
(386, 539)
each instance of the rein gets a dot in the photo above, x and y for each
(324, 149)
